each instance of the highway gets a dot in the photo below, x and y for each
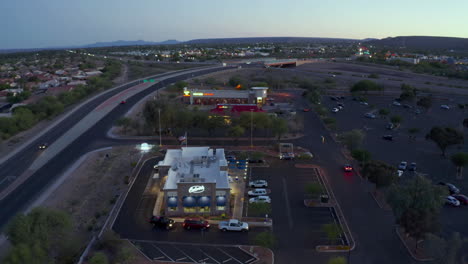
(16, 165)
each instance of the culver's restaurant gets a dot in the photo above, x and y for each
(196, 181)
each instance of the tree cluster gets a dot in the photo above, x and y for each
(176, 120)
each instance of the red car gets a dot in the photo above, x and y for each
(305, 110)
(195, 223)
(348, 168)
(123, 102)
(462, 198)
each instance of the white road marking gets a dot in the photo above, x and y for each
(162, 252)
(229, 256)
(288, 208)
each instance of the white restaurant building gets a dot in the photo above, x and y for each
(196, 181)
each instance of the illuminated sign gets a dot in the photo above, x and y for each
(186, 93)
(202, 94)
(259, 99)
(196, 189)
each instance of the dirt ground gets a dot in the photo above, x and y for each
(89, 192)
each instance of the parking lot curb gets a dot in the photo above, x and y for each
(407, 248)
(344, 223)
(331, 249)
(378, 203)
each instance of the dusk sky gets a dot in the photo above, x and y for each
(49, 23)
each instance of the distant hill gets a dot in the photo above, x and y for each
(129, 43)
(266, 40)
(423, 43)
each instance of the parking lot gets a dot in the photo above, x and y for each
(189, 253)
(294, 224)
(424, 152)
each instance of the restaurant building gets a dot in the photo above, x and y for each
(196, 181)
(256, 95)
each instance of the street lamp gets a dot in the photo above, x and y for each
(251, 128)
(159, 121)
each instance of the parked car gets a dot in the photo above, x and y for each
(390, 126)
(43, 146)
(417, 111)
(258, 184)
(334, 98)
(412, 166)
(340, 107)
(233, 225)
(123, 102)
(162, 222)
(348, 168)
(195, 223)
(407, 106)
(450, 200)
(452, 188)
(403, 165)
(306, 110)
(463, 199)
(335, 110)
(387, 137)
(286, 156)
(370, 115)
(446, 107)
(396, 103)
(257, 192)
(260, 199)
(364, 103)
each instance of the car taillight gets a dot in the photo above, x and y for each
(183, 224)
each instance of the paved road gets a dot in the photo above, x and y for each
(19, 199)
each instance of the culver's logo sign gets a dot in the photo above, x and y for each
(196, 189)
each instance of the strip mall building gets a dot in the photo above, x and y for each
(256, 95)
(196, 181)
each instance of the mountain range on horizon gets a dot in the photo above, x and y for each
(413, 42)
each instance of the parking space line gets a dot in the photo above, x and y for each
(181, 251)
(288, 208)
(231, 257)
(209, 256)
(162, 252)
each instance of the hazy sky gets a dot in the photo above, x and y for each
(46, 23)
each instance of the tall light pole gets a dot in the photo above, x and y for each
(159, 121)
(251, 128)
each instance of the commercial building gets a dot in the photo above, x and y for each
(256, 95)
(196, 181)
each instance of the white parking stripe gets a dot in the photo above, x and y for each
(209, 256)
(181, 251)
(162, 252)
(229, 255)
(288, 208)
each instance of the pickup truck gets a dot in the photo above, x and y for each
(233, 225)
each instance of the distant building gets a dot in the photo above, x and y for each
(93, 73)
(409, 60)
(196, 181)
(256, 95)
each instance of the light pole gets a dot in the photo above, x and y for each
(251, 128)
(159, 121)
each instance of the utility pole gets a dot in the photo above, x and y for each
(251, 128)
(159, 121)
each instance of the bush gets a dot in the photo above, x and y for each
(374, 76)
(265, 239)
(99, 258)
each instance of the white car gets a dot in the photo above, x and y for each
(257, 192)
(258, 184)
(450, 200)
(370, 115)
(260, 199)
(335, 110)
(364, 103)
(446, 107)
(399, 172)
(396, 103)
(403, 165)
